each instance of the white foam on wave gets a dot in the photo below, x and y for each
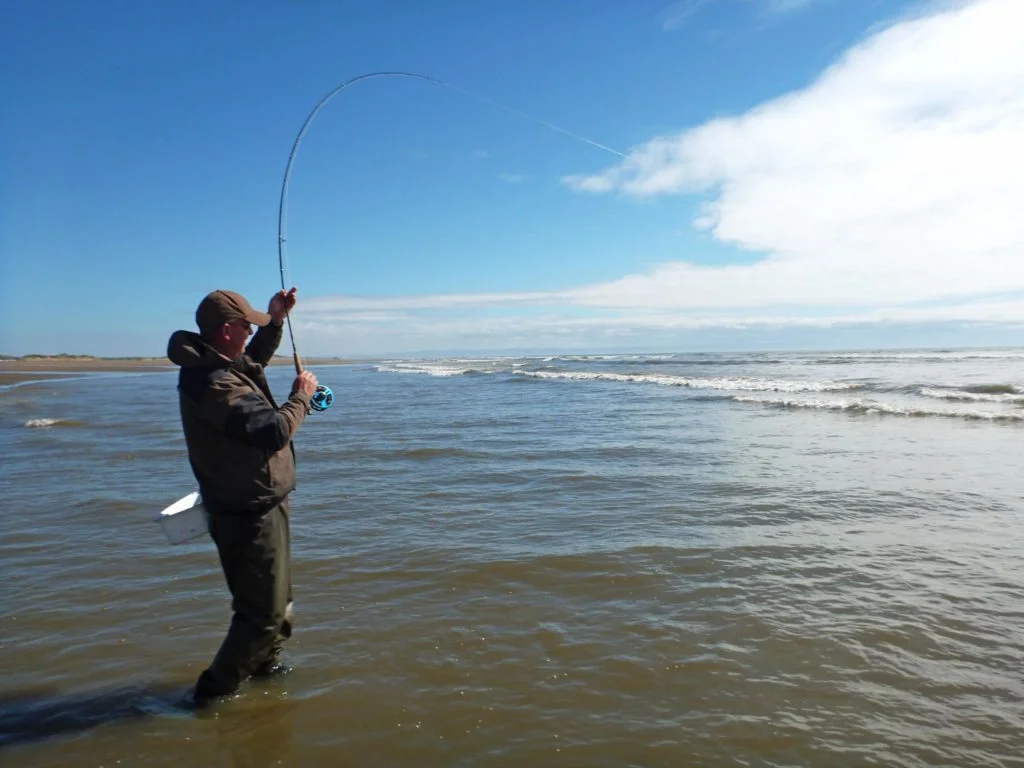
(42, 423)
(875, 407)
(448, 368)
(728, 384)
(617, 358)
(936, 355)
(960, 395)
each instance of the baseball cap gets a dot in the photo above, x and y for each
(221, 307)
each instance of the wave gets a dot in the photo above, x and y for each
(925, 356)
(731, 384)
(439, 453)
(677, 360)
(986, 393)
(876, 408)
(43, 423)
(451, 368)
(994, 389)
(612, 358)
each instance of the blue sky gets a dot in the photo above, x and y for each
(795, 173)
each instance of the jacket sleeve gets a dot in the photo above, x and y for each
(264, 343)
(244, 414)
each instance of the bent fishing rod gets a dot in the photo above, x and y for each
(323, 397)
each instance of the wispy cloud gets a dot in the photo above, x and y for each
(511, 178)
(469, 308)
(481, 154)
(678, 14)
(552, 322)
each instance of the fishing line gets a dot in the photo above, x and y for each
(323, 398)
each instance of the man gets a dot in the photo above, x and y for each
(240, 449)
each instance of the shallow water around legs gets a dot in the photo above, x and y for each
(618, 561)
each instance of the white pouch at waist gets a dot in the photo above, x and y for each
(185, 519)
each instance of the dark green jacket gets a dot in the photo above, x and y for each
(239, 441)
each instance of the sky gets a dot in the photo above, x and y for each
(603, 177)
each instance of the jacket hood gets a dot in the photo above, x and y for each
(187, 349)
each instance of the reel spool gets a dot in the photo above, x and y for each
(322, 398)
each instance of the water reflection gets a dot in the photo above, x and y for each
(37, 714)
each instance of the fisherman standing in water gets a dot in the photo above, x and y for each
(240, 449)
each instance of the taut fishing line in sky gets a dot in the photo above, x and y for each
(323, 398)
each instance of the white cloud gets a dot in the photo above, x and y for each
(326, 310)
(550, 320)
(511, 178)
(888, 192)
(897, 177)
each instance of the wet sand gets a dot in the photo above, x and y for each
(40, 368)
(7, 377)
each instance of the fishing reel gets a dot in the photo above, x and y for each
(322, 398)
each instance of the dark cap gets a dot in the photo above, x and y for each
(222, 307)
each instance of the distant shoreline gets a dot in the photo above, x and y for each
(40, 367)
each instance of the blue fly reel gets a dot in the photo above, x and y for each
(322, 398)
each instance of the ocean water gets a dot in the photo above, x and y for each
(773, 559)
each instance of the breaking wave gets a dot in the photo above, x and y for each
(876, 408)
(42, 423)
(929, 356)
(449, 368)
(727, 383)
(985, 393)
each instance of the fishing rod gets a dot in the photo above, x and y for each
(323, 397)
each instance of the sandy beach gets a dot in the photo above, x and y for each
(37, 368)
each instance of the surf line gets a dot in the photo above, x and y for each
(323, 398)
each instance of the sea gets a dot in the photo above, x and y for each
(766, 559)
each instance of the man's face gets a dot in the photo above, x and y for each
(235, 335)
